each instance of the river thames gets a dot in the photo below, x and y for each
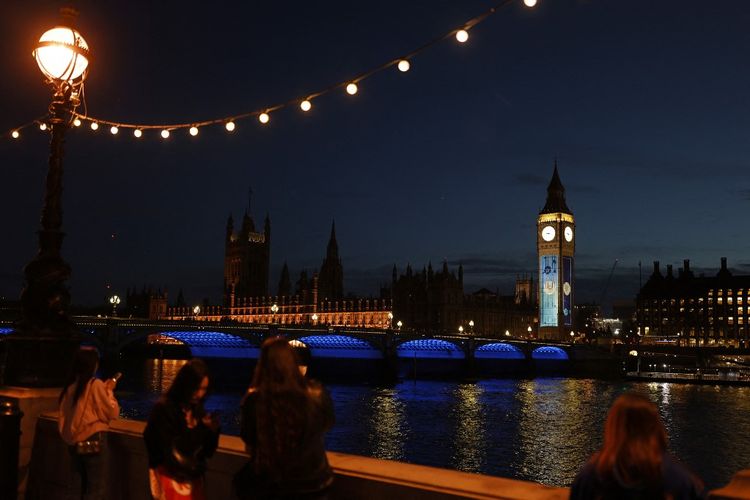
(540, 429)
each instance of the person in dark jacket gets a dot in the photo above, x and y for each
(180, 436)
(283, 421)
(633, 462)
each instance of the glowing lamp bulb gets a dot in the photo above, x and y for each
(305, 105)
(352, 89)
(263, 118)
(403, 65)
(15, 134)
(137, 133)
(193, 131)
(462, 36)
(76, 122)
(229, 126)
(42, 126)
(529, 3)
(94, 126)
(62, 55)
(164, 133)
(114, 130)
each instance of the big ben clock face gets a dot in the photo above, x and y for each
(568, 233)
(548, 233)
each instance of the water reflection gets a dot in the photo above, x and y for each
(539, 430)
(469, 438)
(387, 434)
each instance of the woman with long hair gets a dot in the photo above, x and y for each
(283, 421)
(633, 462)
(87, 406)
(180, 436)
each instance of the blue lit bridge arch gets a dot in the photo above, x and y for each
(499, 350)
(549, 353)
(430, 349)
(340, 346)
(205, 344)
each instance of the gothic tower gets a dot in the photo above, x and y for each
(246, 259)
(556, 249)
(331, 278)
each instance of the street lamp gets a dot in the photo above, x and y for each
(471, 327)
(40, 353)
(197, 310)
(460, 329)
(274, 310)
(390, 320)
(115, 301)
(529, 330)
(399, 324)
(315, 318)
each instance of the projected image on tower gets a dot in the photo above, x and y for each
(567, 291)
(548, 300)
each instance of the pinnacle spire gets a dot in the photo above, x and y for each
(555, 195)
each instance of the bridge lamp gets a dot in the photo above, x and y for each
(461, 330)
(507, 333)
(115, 301)
(314, 318)
(529, 330)
(390, 319)
(197, 310)
(399, 325)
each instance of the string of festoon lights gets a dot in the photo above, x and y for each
(263, 115)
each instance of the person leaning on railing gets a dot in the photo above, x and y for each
(283, 420)
(180, 436)
(633, 462)
(87, 406)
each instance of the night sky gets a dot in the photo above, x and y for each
(645, 104)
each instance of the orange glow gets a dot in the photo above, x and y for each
(62, 54)
(352, 89)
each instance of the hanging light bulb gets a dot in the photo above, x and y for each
(305, 105)
(462, 36)
(94, 126)
(42, 126)
(193, 131)
(352, 88)
(114, 130)
(263, 118)
(77, 122)
(164, 133)
(15, 134)
(529, 3)
(137, 133)
(229, 126)
(403, 65)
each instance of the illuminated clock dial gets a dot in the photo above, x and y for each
(548, 233)
(568, 233)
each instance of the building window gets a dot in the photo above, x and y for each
(719, 300)
(730, 320)
(710, 300)
(729, 300)
(739, 301)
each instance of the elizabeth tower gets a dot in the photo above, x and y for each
(555, 244)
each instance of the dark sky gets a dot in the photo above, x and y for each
(644, 103)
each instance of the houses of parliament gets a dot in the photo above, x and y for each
(428, 300)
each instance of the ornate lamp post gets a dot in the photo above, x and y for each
(115, 301)
(37, 351)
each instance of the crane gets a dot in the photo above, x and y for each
(606, 286)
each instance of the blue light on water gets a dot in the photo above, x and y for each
(429, 348)
(5, 331)
(215, 344)
(549, 352)
(340, 346)
(499, 350)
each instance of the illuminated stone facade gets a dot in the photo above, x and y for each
(694, 310)
(317, 300)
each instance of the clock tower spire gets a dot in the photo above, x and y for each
(556, 251)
